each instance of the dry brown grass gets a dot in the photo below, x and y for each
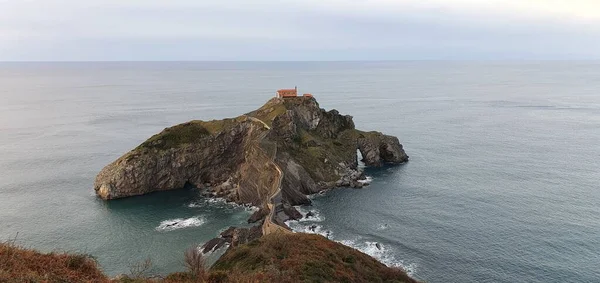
(302, 258)
(272, 258)
(22, 265)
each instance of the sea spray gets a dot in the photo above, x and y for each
(310, 225)
(221, 203)
(180, 223)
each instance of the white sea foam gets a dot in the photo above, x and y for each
(381, 253)
(195, 204)
(180, 223)
(220, 202)
(319, 194)
(382, 226)
(309, 229)
(316, 217)
(378, 251)
(367, 180)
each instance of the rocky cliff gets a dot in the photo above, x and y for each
(238, 158)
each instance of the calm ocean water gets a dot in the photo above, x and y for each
(502, 185)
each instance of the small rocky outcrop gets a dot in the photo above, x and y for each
(291, 212)
(258, 215)
(292, 141)
(233, 236)
(377, 149)
(213, 245)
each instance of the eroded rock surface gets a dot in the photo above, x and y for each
(235, 158)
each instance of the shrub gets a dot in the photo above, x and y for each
(195, 262)
(141, 269)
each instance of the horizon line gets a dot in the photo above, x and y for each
(298, 61)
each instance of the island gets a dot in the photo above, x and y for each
(278, 154)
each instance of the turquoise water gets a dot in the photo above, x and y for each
(502, 185)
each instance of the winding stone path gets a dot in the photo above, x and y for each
(270, 226)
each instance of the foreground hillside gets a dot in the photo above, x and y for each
(302, 257)
(273, 258)
(23, 265)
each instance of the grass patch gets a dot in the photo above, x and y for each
(268, 112)
(175, 136)
(188, 133)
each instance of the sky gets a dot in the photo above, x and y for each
(298, 30)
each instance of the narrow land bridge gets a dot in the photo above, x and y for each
(270, 225)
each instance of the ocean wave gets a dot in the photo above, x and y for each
(180, 223)
(309, 229)
(315, 217)
(319, 194)
(383, 226)
(381, 253)
(374, 249)
(367, 180)
(220, 202)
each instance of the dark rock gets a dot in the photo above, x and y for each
(310, 214)
(213, 245)
(377, 149)
(291, 212)
(258, 215)
(228, 234)
(378, 246)
(245, 235)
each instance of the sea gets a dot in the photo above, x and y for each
(503, 182)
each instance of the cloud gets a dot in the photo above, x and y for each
(298, 30)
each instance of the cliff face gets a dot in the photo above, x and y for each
(238, 158)
(198, 153)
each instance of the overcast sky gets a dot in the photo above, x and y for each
(84, 30)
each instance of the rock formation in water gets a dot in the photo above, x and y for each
(239, 159)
